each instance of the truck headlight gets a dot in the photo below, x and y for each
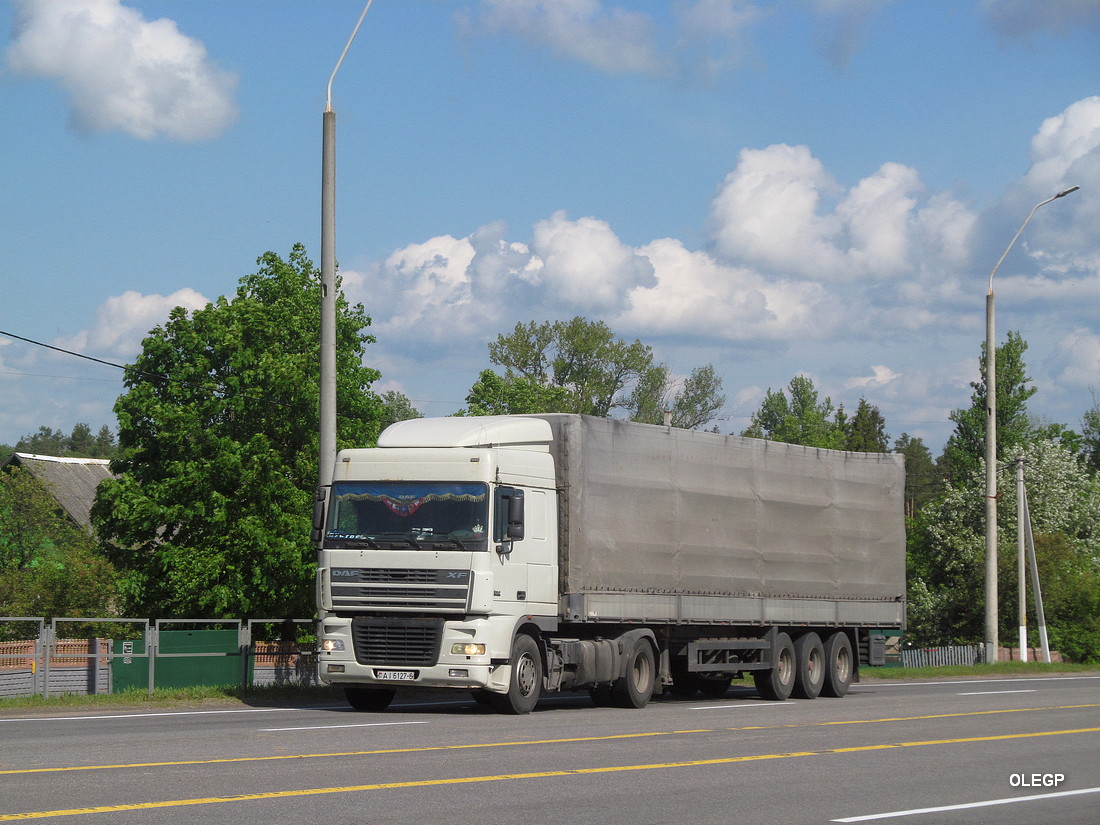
(332, 644)
(467, 649)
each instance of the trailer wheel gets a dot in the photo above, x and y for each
(370, 699)
(778, 682)
(635, 688)
(525, 684)
(809, 657)
(838, 665)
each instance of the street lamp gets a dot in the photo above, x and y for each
(327, 405)
(992, 643)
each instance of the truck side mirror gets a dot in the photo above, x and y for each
(508, 521)
(515, 516)
(318, 514)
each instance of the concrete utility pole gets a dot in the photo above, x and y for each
(327, 433)
(992, 643)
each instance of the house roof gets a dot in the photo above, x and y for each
(72, 481)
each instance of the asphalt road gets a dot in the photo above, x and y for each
(977, 751)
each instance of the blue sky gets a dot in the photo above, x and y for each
(774, 187)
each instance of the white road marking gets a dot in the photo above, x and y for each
(991, 692)
(328, 727)
(740, 705)
(964, 806)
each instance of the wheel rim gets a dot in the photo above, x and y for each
(641, 672)
(815, 667)
(785, 666)
(526, 673)
(843, 665)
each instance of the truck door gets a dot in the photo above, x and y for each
(510, 552)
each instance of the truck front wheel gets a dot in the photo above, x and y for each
(778, 682)
(371, 699)
(525, 683)
(635, 688)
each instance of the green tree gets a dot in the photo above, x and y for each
(1090, 434)
(80, 443)
(579, 366)
(396, 406)
(947, 554)
(800, 419)
(691, 404)
(865, 432)
(966, 446)
(218, 434)
(49, 566)
(922, 480)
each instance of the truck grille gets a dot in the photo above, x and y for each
(439, 591)
(406, 642)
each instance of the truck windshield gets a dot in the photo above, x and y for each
(401, 515)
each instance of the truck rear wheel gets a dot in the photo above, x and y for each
(809, 658)
(838, 665)
(778, 682)
(525, 683)
(370, 699)
(635, 688)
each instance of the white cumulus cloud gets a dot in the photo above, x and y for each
(123, 321)
(121, 71)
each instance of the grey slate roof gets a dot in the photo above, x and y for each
(72, 481)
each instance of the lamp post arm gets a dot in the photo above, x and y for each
(1020, 231)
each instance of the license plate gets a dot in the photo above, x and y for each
(395, 675)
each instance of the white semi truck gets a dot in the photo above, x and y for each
(516, 556)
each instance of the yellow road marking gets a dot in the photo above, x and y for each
(427, 748)
(419, 783)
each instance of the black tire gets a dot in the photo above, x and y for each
(685, 684)
(635, 688)
(369, 699)
(601, 696)
(525, 683)
(839, 665)
(809, 674)
(482, 697)
(778, 682)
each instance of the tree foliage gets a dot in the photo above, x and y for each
(799, 418)
(922, 479)
(49, 566)
(947, 554)
(218, 434)
(579, 366)
(966, 446)
(80, 443)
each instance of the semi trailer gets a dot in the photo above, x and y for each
(519, 556)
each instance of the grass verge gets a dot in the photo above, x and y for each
(295, 695)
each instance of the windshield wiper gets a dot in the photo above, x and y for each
(357, 541)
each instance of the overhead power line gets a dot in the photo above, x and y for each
(134, 370)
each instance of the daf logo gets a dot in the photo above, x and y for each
(344, 573)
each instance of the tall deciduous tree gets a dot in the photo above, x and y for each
(218, 433)
(579, 366)
(799, 419)
(966, 446)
